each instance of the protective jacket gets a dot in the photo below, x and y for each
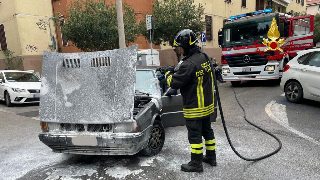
(194, 78)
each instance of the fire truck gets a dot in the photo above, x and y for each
(243, 51)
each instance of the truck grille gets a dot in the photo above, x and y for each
(254, 59)
(81, 127)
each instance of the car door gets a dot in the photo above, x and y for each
(1, 86)
(310, 75)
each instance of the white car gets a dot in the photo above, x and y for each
(18, 87)
(301, 76)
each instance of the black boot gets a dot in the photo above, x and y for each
(192, 166)
(210, 158)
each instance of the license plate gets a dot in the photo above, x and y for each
(246, 69)
(36, 95)
(84, 141)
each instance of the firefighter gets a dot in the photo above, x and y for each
(194, 78)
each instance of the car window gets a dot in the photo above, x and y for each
(146, 82)
(313, 60)
(302, 58)
(21, 77)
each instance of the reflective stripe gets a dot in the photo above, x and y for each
(191, 42)
(211, 141)
(210, 147)
(201, 91)
(212, 80)
(196, 109)
(196, 145)
(196, 151)
(198, 92)
(198, 112)
(175, 44)
(169, 80)
(199, 115)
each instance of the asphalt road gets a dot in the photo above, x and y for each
(23, 156)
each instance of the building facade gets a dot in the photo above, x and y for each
(24, 29)
(313, 7)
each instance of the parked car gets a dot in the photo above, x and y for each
(301, 76)
(18, 87)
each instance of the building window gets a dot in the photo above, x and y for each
(298, 1)
(279, 10)
(244, 3)
(3, 40)
(208, 20)
(302, 2)
(228, 1)
(64, 42)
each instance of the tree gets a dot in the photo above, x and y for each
(316, 31)
(171, 16)
(92, 26)
(11, 62)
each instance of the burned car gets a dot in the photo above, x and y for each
(98, 103)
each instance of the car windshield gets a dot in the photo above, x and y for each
(246, 33)
(146, 82)
(21, 77)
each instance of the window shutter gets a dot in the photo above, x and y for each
(3, 40)
(208, 20)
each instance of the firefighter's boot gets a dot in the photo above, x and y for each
(210, 158)
(192, 166)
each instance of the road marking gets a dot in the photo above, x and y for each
(283, 121)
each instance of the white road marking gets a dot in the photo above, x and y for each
(281, 118)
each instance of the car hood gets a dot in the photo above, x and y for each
(88, 88)
(24, 85)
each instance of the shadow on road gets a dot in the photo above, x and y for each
(259, 83)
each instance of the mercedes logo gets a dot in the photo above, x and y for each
(246, 59)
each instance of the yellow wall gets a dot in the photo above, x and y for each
(26, 25)
(313, 10)
(293, 5)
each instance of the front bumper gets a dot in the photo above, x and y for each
(104, 143)
(24, 97)
(255, 73)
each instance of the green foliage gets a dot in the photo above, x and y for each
(316, 31)
(12, 62)
(171, 16)
(93, 26)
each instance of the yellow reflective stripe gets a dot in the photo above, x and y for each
(197, 109)
(196, 145)
(198, 112)
(210, 147)
(198, 115)
(210, 141)
(175, 44)
(165, 75)
(191, 42)
(169, 80)
(212, 87)
(196, 151)
(202, 96)
(198, 92)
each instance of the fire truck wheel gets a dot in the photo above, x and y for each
(293, 92)
(156, 140)
(235, 83)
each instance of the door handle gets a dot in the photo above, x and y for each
(304, 69)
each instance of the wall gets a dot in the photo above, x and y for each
(293, 5)
(313, 10)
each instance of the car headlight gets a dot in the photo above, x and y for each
(126, 127)
(225, 70)
(18, 90)
(269, 68)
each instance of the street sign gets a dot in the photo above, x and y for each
(148, 22)
(203, 39)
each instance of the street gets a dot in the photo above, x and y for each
(23, 156)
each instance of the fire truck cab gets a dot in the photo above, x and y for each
(243, 53)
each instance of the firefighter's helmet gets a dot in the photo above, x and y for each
(186, 39)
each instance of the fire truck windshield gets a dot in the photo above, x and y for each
(245, 33)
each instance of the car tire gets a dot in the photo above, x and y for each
(7, 99)
(235, 83)
(293, 92)
(156, 140)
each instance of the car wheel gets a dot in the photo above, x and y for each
(235, 83)
(8, 100)
(156, 140)
(293, 92)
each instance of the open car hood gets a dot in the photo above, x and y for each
(89, 87)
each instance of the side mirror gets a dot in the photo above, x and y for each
(171, 92)
(220, 37)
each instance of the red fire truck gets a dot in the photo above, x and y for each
(243, 56)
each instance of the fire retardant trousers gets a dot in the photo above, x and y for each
(197, 129)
